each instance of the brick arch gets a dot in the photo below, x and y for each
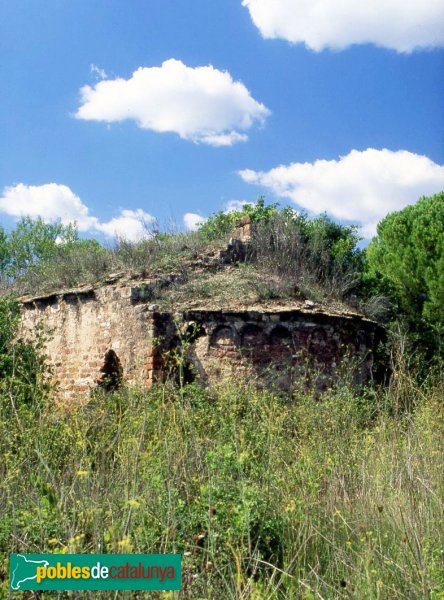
(252, 336)
(280, 335)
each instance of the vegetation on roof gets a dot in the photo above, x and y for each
(291, 256)
(298, 256)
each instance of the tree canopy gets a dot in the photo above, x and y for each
(32, 243)
(406, 258)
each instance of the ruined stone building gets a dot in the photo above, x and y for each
(114, 333)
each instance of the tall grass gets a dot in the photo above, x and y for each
(266, 497)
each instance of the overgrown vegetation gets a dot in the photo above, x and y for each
(266, 496)
(37, 257)
(398, 278)
(23, 368)
(315, 258)
(299, 257)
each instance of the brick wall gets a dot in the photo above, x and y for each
(278, 347)
(84, 326)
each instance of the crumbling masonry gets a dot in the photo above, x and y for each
(114, 333)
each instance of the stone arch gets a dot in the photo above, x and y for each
(112, 372)
(223, 337)
(252, 336)
(280, 335)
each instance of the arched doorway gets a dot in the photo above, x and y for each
(112, 372)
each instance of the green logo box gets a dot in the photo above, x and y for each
(95, 572)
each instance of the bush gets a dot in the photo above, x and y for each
(221, 224)
(316, 256)
(77, 263)
(32, 243)
(23, 367)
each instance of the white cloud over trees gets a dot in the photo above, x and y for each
(50, 201)
(53, 201)
(132, 225)
(361, 187)
(192, 221)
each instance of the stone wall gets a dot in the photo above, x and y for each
(84, 326)
(98, 335)
(277, 347)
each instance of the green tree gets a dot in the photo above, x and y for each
(337, 243)
(406, 258)
(34, 242)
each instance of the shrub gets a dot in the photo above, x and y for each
(317, 256)
(23, 366)
(32, 243)
(219, 225)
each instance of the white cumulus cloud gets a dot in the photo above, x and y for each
(193, 221)
(132, 225)
(402, 25)
(53, 202)
(361, 187)
(50, 201)
(201, 104)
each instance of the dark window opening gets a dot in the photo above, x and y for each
(280, 335)
(223, 337)
(112, 372)
(188, 373)
(253, 337)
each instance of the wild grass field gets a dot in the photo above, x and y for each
(265, 496)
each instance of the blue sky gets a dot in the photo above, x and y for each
(194, 106)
